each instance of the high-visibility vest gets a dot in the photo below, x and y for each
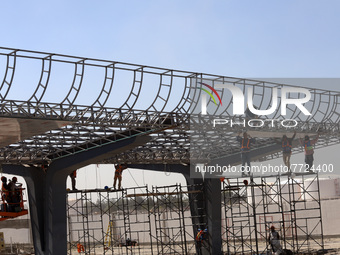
(199, 234)
(119, 169)
(247, 146)
(80, 248)
(308, 146)
(287, 147)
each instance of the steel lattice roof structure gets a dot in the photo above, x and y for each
(132, 100)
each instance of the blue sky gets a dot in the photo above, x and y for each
(233, 38)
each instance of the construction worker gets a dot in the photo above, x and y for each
(73, 177)
(201, 235)
(80, 248)
(287, 149)
(274, 240)
(4, 194)
(14, 189)
(309, 151)
(118, 175)
(245, 145)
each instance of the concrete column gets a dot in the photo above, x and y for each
(198, 212)
(212, 194)
(47, 205)
(35, 182)
(55, 211)
(47, 193)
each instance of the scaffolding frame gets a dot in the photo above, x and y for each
(291, 204)
(85, 219)
(160, 220)
(134, 220)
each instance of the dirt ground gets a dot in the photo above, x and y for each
(332, 244)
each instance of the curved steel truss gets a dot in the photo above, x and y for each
(105, 101)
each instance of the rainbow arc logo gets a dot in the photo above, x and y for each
(210, 94)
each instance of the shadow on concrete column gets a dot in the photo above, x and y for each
(47, 193)
(212, 190)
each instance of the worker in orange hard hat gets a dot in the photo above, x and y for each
(118, 175)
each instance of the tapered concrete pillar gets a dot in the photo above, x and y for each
(35, 182)
(47, 193)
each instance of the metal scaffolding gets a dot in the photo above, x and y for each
(291, 205)
(134, 220)
(159, 221)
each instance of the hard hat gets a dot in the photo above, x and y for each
(14, 179)
(3, 179)
(272, 227)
